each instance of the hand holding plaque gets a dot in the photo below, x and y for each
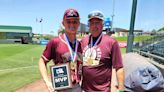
(49, 86)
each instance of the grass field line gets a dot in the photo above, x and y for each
(11, 69)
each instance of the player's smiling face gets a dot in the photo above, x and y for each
(71, 25)
(95, 26)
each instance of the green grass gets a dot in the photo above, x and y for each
(14, 79)
(16, 56)
(136, 38)
(123, 50)
(13, 56)
(121, 39)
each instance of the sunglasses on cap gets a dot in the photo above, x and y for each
(95, 15)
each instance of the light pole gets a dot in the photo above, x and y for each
(113, 15)
(41, 22)
(41, 26)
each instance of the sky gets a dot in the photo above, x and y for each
(149, 13)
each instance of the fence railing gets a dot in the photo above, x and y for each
(152, 40)
(149, 55)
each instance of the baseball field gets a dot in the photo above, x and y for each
(19, 65)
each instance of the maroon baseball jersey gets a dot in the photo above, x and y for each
(98, 62)
(58, 51)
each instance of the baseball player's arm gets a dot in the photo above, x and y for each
(44, 74)
(120, 78)
(114, 86)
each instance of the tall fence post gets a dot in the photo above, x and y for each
(132, 22)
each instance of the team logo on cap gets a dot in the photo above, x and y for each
(71, 13)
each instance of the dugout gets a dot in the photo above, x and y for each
(15, 34)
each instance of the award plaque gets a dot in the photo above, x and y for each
(61, 77)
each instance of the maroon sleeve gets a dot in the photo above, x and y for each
(80, 47)
(116, 56)
(48, 52)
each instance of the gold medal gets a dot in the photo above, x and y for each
(89, 61)
(96, 62)
(72, 65)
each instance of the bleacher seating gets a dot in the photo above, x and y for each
(153, 45)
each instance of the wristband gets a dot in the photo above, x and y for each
(120, 90)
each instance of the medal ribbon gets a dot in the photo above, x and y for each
(92, 45)
(96, 41)
(73, 54)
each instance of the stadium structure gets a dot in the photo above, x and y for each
(15, 34)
